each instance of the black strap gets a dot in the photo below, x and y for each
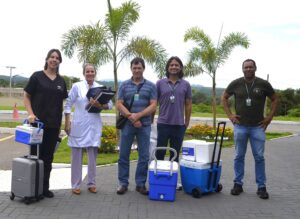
(37, 178)
(137, 91)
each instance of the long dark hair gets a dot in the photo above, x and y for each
(48, 56)
(180, 75)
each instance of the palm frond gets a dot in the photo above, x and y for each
(90, 43)
(229, 43)
(119, 20)
(198, 36)
(191, 69)
(148, 49)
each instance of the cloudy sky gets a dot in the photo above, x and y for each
(30, 28)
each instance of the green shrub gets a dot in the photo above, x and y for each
(108, 139)
(202, 108)
(204, 131)
(295, 112)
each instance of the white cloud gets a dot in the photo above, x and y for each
(30, 28)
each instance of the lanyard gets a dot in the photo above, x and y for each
(250, 87)
(173, 88)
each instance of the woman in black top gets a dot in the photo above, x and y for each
(43, 99)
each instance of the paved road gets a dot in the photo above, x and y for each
(9, 150)
(109, 119)
(282, 164)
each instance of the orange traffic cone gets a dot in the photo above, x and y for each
(16, 112)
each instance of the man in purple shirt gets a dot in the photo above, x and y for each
(174, 96)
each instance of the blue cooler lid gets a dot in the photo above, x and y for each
(195, 165)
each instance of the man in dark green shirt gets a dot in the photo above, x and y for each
(250, 94)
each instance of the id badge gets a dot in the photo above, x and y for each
(248, 102)
(172, 99)
(136, 97)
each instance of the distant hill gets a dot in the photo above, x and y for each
(15, 79)
(207, 90)
(110, 83)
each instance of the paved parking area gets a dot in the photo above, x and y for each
(283, 171)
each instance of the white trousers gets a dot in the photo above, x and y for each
(76, 166)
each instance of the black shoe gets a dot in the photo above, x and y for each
(142, 190)
(121, 190)
(48, 194)
(237, 189)
(262, 193)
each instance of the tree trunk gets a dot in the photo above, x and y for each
(214, 104)
(116, 82)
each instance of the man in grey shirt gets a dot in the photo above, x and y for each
(174, 96)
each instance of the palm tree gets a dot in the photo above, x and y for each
(206, 57)
(99, 43)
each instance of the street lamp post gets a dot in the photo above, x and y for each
(10, 74)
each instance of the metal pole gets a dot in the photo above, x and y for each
(266, 103)
(10, 74)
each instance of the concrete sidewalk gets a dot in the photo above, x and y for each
(282, 163)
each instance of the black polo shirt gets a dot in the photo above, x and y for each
(47, 98)
(258, 91)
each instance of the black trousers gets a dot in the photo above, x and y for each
(169, 134)
(46, 152)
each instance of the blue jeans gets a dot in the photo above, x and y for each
(172, 133)
(257, 138)
(143, 140)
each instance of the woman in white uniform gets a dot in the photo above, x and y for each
(85, 129)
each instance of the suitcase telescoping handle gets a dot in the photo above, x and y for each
(40, 124)
(172, 160)
(220, 124)
(211, 174)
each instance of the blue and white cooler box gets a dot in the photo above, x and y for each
(163, 180)
(28, 134)
(198, 150)
(196, 175)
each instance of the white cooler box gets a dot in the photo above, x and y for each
(199, 151)
(27, 134)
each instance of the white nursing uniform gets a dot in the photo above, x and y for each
(86, 128)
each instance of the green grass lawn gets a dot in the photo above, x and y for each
(63, 154)
(10, 124)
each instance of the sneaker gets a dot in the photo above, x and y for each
(48, 194)
(262, 193)
(142, 189)
(179, 187)
(237, 189)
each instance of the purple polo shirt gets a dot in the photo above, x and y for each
(172, 113)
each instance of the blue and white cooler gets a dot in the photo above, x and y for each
(199, 178)
(199, 150)
(28, 134)
(163, 176)
(200, 166)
